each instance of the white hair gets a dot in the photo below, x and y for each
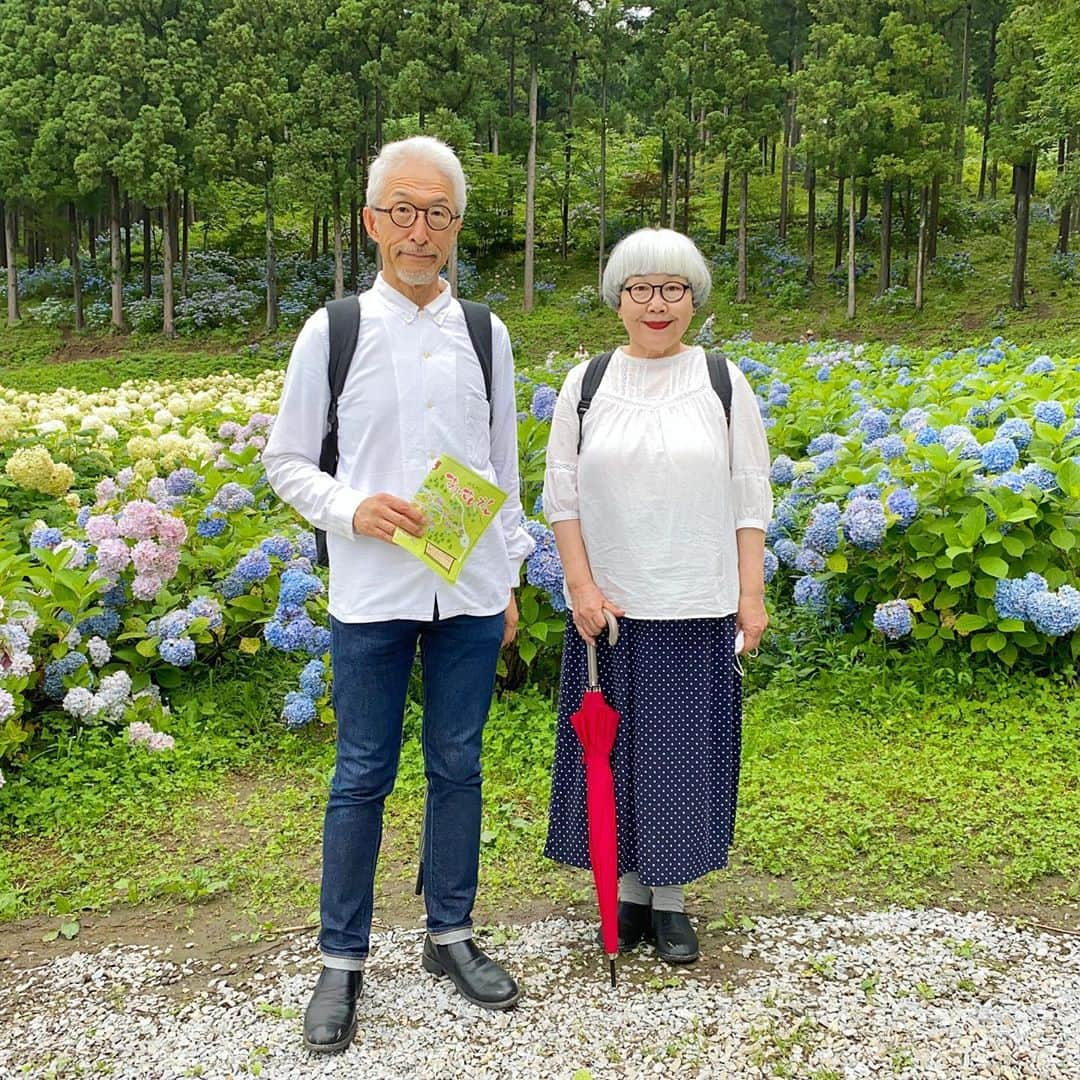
(417, 148)
(656, 251)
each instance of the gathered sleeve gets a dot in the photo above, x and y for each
(561, 471)
(748, 449)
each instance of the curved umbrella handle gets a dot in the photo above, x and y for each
(590, 650)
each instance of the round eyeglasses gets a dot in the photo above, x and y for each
(641, 292)
(403, 214)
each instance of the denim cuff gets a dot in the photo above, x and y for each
(343, 963)
(450, 937)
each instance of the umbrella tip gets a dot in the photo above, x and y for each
(611, 969)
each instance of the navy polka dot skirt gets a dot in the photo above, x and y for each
(676, 756)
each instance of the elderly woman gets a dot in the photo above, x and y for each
(659, 505)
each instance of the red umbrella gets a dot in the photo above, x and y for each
(596, 723)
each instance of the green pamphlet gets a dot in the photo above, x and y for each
(459, 505)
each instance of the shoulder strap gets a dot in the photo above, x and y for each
(344, 316)
(594, 375)
(478, 323)
(720, 378)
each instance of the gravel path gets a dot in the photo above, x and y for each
(895, 993)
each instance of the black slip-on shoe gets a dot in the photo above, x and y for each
(330, 1017)
(674, 937)
(635, 925)
(475, 975)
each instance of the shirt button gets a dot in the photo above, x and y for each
(431, 404)
(427, 356)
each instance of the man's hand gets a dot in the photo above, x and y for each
(381, 514)
(511, 627)
(589, 603)
(751, 619)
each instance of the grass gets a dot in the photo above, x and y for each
(867, 783)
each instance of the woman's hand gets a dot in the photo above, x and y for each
(510, 626)
(751, 619)
(589, 604)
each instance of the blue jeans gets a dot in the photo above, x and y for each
(372, 663)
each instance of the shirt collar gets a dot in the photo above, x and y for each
(437, 310)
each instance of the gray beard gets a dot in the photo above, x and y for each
(418, 277)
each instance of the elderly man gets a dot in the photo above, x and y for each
(415, 389)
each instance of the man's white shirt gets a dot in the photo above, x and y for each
(414, 391)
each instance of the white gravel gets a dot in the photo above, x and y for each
(895, 993)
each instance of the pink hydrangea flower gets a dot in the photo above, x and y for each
(106, 490)
(145, 557)
(172, 531)
(257, 441)
(138, 520)
(145, 586)
(160, 741)
(113, 557)
(228, 430)
(100, 527)
(168, 562)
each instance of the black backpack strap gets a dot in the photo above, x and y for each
(594, 375)
(478, 323)
(720, 378)
(344, 316)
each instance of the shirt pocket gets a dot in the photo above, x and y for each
(477, 432)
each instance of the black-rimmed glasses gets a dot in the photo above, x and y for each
(403, 214)
(641, 292)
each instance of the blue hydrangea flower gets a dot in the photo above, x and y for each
(232, 496)
(232, 587)
(864, 522)
(299, 710)
(772, 564)
(893, 619)
(172, 625)
(254, 566)
(543, 402)
(915, 419)
(999, 455)
(278, 546)
(210, 527)
(305, 544)
(1042, 478)
(823, 529)
(1011, 595)
(206, 607)
(289, 633)
(297, 587)
(1011, 480)
(103, 625)
(116, 596)
(874, 424)
(1050, 412)
(181, 482)
(179, 652)
(45, 538)
(904, 505)
(890, 447)
(979, 415)
(1041, 365)
(787, 551)
(782, 471)
(312, 679)
(809, 561)
(83, 516)
(825, 461)
(538, 506)
(1055, 614)
(543, 568)
(864, 491)
(57, 670)
(811, 593)
(823, 374)
(927, 436)
(1017, 431)
(826, 441)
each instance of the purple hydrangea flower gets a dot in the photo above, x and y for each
(232, 496)
(181, 482)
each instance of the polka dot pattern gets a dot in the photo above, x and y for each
(676, 756)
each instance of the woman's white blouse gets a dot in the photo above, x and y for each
(661, 484)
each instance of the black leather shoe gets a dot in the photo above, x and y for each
(330, 1018)
(635, 924)
(675, 939)
(477, 977)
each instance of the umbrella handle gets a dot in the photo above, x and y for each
(590, 650)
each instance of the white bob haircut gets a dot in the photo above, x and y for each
(656, 251)
(417, 148)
